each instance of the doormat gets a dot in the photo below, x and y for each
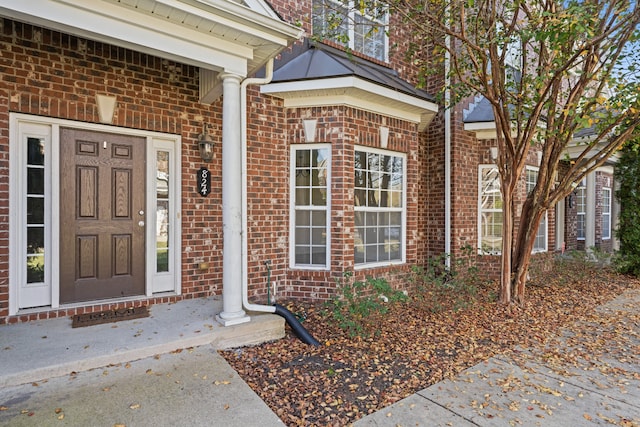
(109, 316)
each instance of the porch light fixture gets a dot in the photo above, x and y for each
(205, 145)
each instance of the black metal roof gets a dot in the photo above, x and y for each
(482, 112)
(312, 61)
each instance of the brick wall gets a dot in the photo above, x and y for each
(47, 73)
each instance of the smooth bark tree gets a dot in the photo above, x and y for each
(551, 69)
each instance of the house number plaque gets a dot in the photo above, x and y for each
(204, 182)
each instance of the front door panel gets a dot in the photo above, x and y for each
(102, 218)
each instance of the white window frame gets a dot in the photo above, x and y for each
(544, 221)
(402, 210)
(352, 15)
(606, 213)
(22, 126)
(293, 208)
(482, 210)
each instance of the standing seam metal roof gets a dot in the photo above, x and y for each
(312, 61)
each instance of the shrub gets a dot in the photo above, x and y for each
(356, 302)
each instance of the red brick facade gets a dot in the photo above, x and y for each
(46, 73)
(51, 74)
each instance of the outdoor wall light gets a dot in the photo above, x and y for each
(205, 145)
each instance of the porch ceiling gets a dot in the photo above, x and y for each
(219, 36)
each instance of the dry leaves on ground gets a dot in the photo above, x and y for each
(412, 346)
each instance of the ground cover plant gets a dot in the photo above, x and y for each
(441, 328)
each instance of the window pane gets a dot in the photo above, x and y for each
(302, 236)
(318, 218)
(311, 197)
(35, 210)
(35, 240)
(491, 232)
(319, 196)
(378, 218)
(35, 268)
(303, 255)
(303, 218)
(35, 151)
(162, 174)
(319, 255)
(35, 181)
(162, 211)
(162, 236)
(303, 177)
(302, 197)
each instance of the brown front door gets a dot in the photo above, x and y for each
(102, 218)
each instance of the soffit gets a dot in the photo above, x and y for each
(215, 35)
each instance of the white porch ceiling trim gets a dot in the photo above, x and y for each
(353, 92)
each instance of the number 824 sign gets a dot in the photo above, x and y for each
(204, 182)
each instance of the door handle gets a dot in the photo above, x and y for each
(141, 223)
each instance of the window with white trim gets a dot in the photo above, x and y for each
(310, 178)
(489, 210)
(540, 244)
(379, 207)
(581, 209)
(365, 31)
(606, 213)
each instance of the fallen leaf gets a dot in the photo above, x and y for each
(134, 406)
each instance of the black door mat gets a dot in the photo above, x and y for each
(109, 316)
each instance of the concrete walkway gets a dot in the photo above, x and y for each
(581, 379)
(164, 370)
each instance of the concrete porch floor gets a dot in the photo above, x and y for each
(37, 350)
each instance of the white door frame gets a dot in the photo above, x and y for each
(46, 295)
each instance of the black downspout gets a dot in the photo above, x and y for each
(297, 327)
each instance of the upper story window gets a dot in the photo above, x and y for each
(379, 207)
(540, 244)
(364, 30)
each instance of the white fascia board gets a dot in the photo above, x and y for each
(578, 145)
(266, 27)
(345, 91)
(483, 130)
(262, 18)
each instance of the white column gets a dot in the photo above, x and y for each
(232, 312)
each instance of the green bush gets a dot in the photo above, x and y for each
(439, 287)
(356, 302)
(627, 174)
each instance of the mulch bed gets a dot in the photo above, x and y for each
(416, 344)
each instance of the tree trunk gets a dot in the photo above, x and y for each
(507, 238)
(523, 246)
